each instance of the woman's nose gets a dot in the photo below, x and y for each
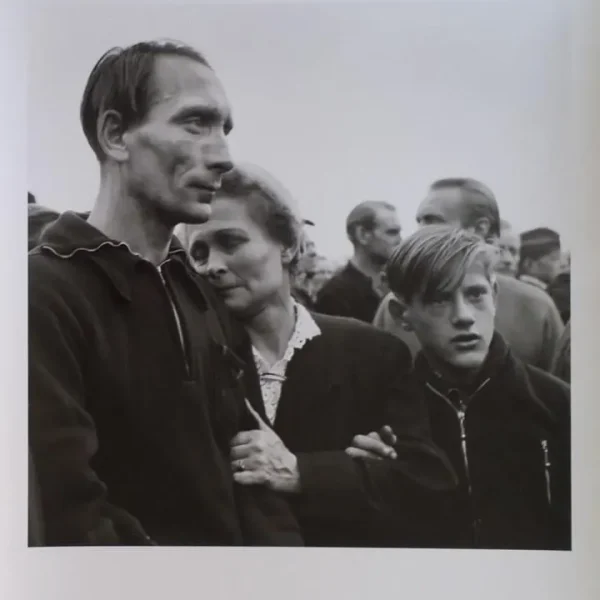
(215, 267)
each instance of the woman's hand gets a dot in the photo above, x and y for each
(259, 457)
(377, 445)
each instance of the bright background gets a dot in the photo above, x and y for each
(343, 103)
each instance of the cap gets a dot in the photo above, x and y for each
(538, 242)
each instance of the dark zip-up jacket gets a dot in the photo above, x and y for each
(508, 439)
(134, 397)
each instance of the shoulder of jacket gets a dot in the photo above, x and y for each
(358, 335)
(549, 389)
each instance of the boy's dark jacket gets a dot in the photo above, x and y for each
(512, 411)
(129, 429)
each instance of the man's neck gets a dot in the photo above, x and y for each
(123, 218)
(271, 329)
(453, 376)
(365, 264)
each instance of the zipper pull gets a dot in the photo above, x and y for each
(547, 466)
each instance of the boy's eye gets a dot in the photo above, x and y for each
(439, 299)
(476, 294)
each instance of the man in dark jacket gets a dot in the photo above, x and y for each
(356, 290)
(504, 425)
(134, 395)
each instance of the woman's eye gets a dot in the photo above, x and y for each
(230, 243)
(199, 253)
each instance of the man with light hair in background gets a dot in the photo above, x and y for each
(509, 246)
(356, 291)
(526, 317)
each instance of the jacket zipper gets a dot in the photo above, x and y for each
(176, 318)
(461, 413)
(547, 466)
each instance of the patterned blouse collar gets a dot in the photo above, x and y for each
(305, 329)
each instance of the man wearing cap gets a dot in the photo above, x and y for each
(540, 257)
(540, 265)
(356, 291)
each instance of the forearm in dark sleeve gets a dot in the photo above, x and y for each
(63, 441)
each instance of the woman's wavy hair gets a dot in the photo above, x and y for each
(270, 205)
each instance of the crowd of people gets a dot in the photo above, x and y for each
(200, 375)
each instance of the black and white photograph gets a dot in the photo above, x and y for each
(298, 279)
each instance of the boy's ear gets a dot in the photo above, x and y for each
(495, 290)
(398, 309)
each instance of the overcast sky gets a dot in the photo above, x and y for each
(342, 103)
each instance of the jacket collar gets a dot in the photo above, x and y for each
(496, 361)
(72, 235)
(501, 369)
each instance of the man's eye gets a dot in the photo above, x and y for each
(196, 123)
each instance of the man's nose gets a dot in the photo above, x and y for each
(218, 155)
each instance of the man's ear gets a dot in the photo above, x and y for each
(111, 136)
(287, 255)
(398, 310)
(482, 227)
(362, 235)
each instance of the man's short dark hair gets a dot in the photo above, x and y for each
(478, 201)
(364, 215)
(122, 81)
(30, 198)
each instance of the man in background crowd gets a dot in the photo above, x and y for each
(560, 288)
(305, 267)
(541, 265)
(356, 291)
(134, 395)
(38, 218)
(526, 317)
(509, 246)
(540, 257)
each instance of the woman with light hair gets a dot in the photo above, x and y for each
(324, 381)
